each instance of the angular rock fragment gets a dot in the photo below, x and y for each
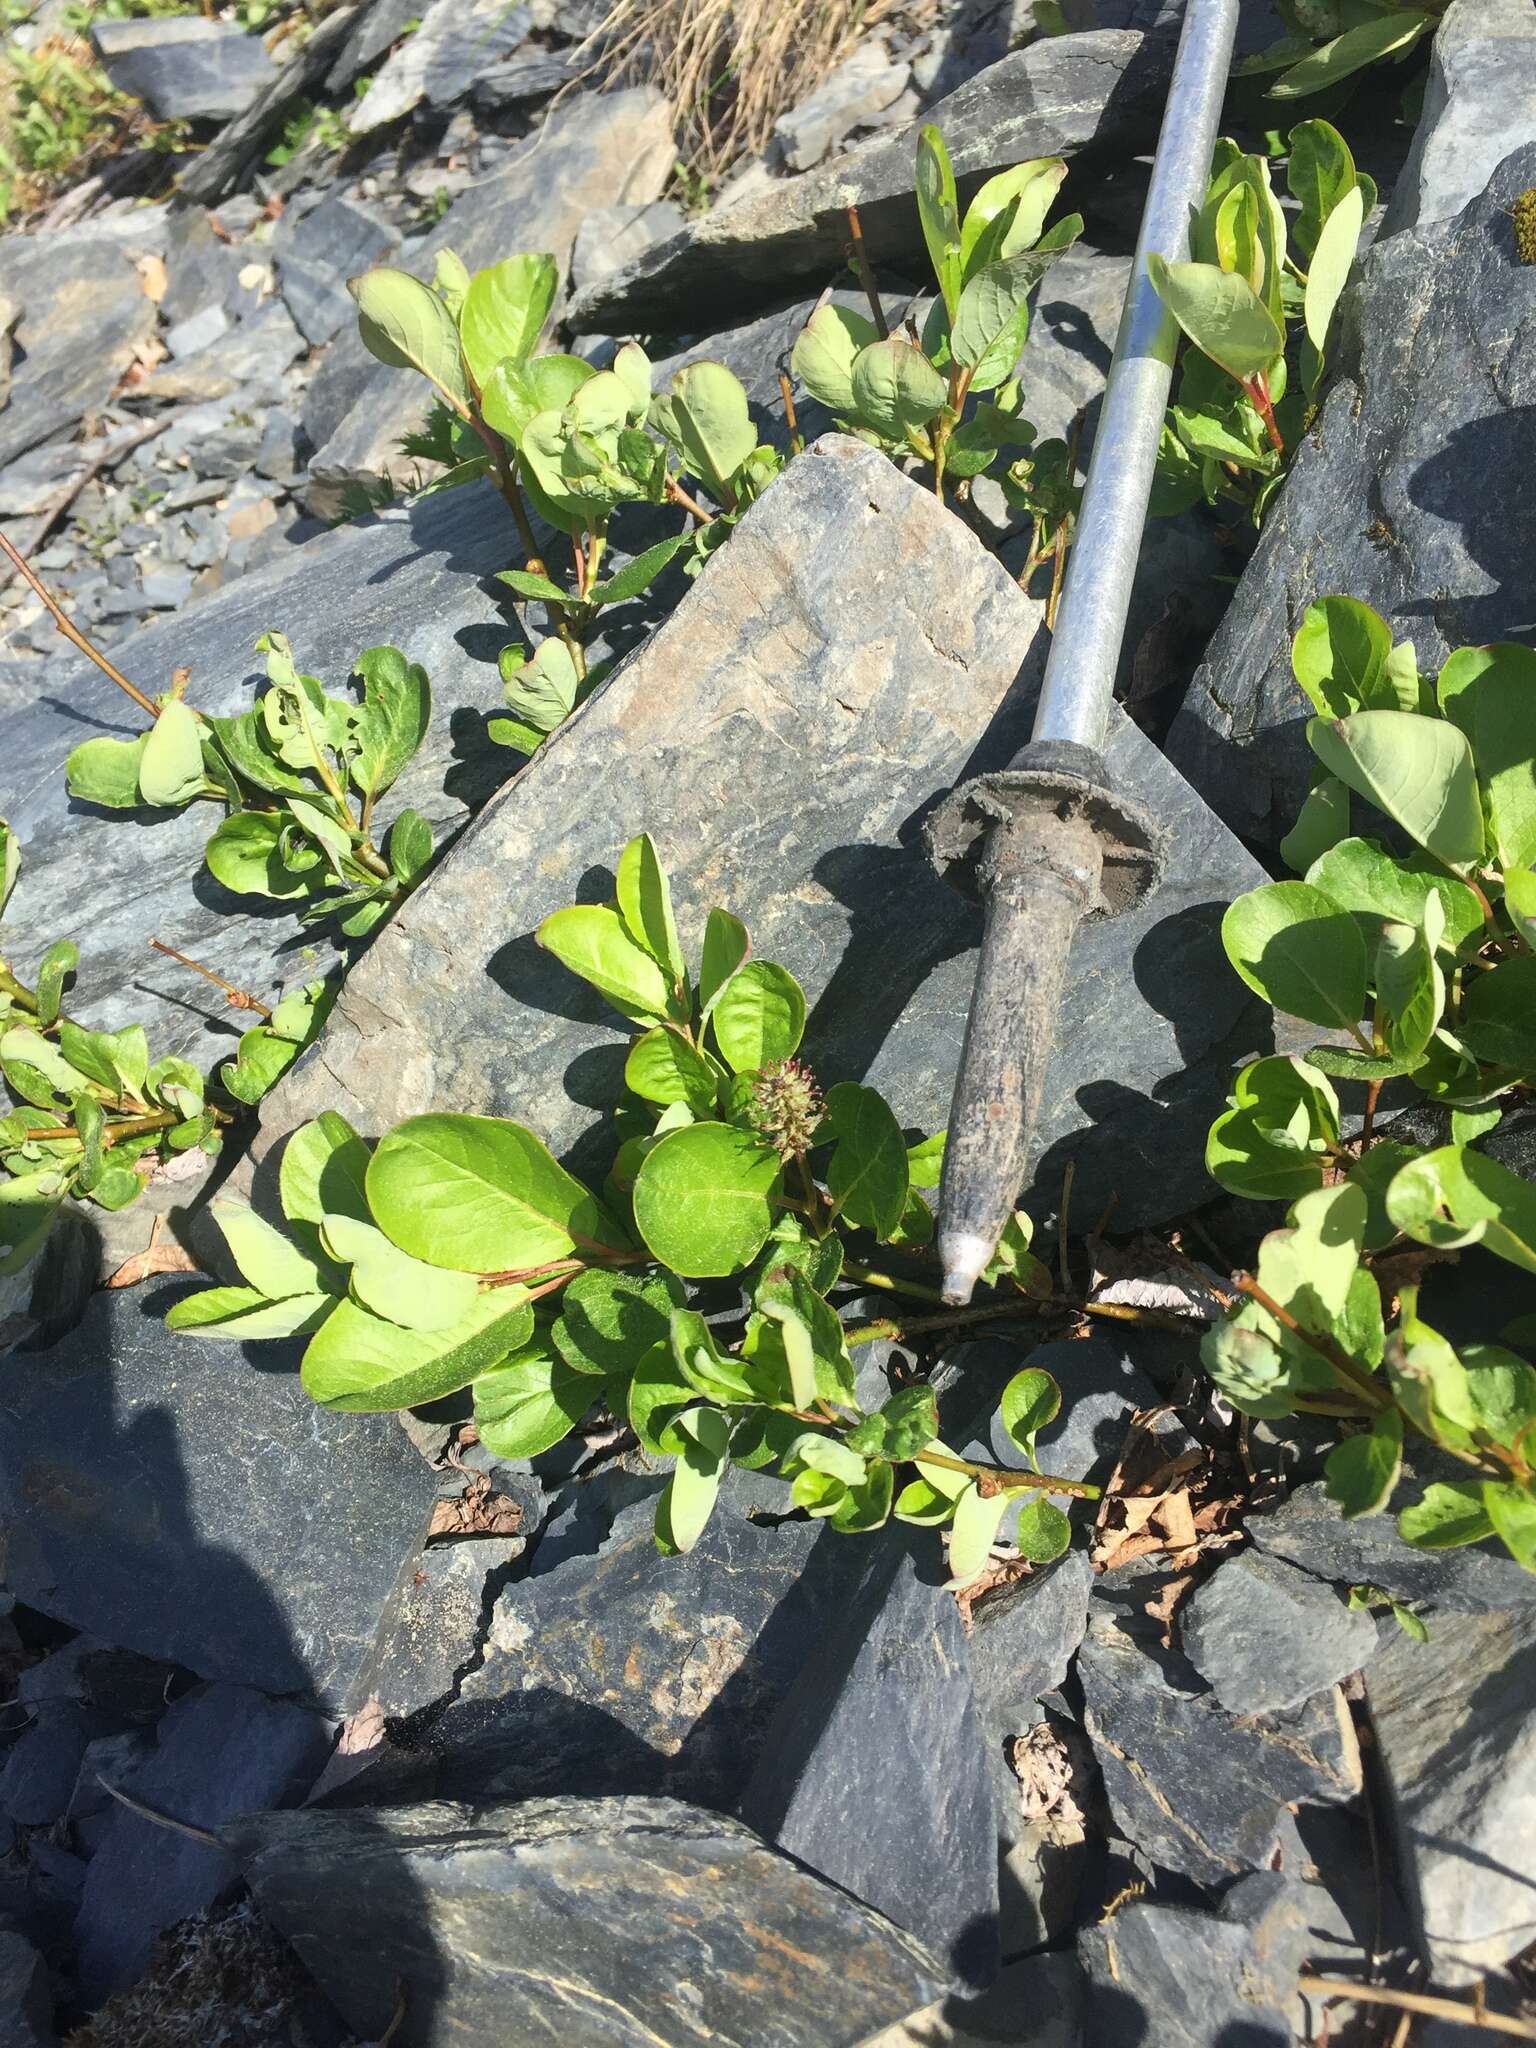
(862, 85)
(236, 148)
(184, 68)
(1411, 491)
(455, 41)
(874, 1771)
(1455, 1721)
(1039, 2000)
(1479, 104)
(1100, 93)
(192, 1507)
(1022, 1640)
(1197, 1789)
(1264, 1636)
(616, 1923)
(332, 242)
(26, 1998)
(854, 643)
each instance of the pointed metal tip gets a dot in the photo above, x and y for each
(964, 1256)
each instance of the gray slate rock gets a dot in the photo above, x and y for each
(1186, 1979)
(1479, 104)
(1411, 491)
(40, 1772)
(1308, 1530)
(1039, 2000)
(1455, 1722)
(26, 1999)
(813, 654)
(223, 1750)
(374, 29)
(616, 149)
(616, 1923)
(1264, 1635)
(414, 578)
(1022, 1640)
(1197, 1789)
(201, 271)
(183, 67)
(84, 316)
(629, 1671)
(862, 86)
(332, 242)
(874, 1771)
(432, 1629)
(457, 39)
(277, 1580)
(1070, 96)
(524, 79)
(233, 152)
(611, 236)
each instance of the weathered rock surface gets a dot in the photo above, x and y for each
(316, 255)
(1411, 491)
(1185, 1979)
(874, 1771)
(1149, 1718)
(864, 84)
(1264, 1635)
(181, 1501)
(1039, 2000)
(618, 1923)
(1022, 1640)
(184, 68)
(1308, 1530)
(235, 149)
(433, 1626)
(1061, 95)
(849, 656)
(1479, 104)
(607, 151)
(460, 38)
(628, 1671)
(223, 1750)
(1455, 1721)
(412, 578)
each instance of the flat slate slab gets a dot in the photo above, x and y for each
(419, 577)
(852, 653)
(185, 68)
(191, 1502)
(1074, 95)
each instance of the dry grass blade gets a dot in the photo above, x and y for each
(729, 67)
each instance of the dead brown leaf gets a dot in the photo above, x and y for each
(154, 276)
(477, 1511)
(1044, 1766)
(362, 1742)
(160, 1255)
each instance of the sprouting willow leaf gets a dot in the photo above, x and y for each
(1361, 1472)
(1319, 171)
(1511, 1507)
(53, 970)
(241, 1313)
(896, 390)
(171, 766)
(638, 575)
(270, 1262)
(1445, 1518)
(1222, 315)
(758, 1016)
(1042, 1532)
(1321, 823)
(726, 948)
(362, 1363)
(663, 1067)
(591, 941)
(978, 1517)
(702, 1199)
(1030, 1400)
(908, 1423)
(938, 210)
(1330, 267)
(992, 319)
(1385, 35)
(106, 772)
(392, 1284)
(504, 311)
(867, 1173)
(707, 410)
(396, 712)
(1418, 770)
(1008, 212)
(10, 863)
(516, 393)
(1340, 655)
(1299, 951)
(824, 354)
(1452, 1197)
(645, 904)
(685, 1508)
(799, 1353)
(410, 847)
(1488, 692)
(323, 1171)
(528, 1402)
(608, 1321)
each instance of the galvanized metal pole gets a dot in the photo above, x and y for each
(1047, 842)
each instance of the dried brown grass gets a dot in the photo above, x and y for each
(729, 67)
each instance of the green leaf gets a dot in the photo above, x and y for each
(528, 1402)
(925, 1160)
(1359, 877)
(1374, 1172)
(543, 691)
(1468, 1125)
(685, 1508)
(638, 575)
(1222, 315)
(645, 904)
(53, 970)
(270, 1262)
(1331, 263)
(1498, 1015)
(992, 319)
(245, 854)
(171, 766)
(1446, 1518)
(590, 939)
(1030, 1400)
(663, 1067)
(608, 1322)
(106, 772)
(1417, 770)
(824, 353)
(799, 1352)
(1453, 1197)
(978, 1517)
(866, 1505)
(1410, 990)
(323, 1171)
(708, 412)
(657, 1393)
(1321, 823)
(726, 947)
(526, 584)
(362, 1363)
(1008, 212)
(396, 712)
(515, 394)
(867, 1173)
(758, 1016)
(1520, 901)
(1489, 693)
(702, 1199)
(896, 390)
(410, 847)
(1367, 42)
(1292, 946)
(36, 1069)
(1043, 1532)
(1361, 1472)
(1340, 656)
(241, 1313)
(480, 1195)
(1502, 1389)
(262, 1061)
(1319, 173)
(504, 311)
(939, 213)
(1511, 1508)
(906, 1424)
(404, 323)
(392, 1284)
(10, 863)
